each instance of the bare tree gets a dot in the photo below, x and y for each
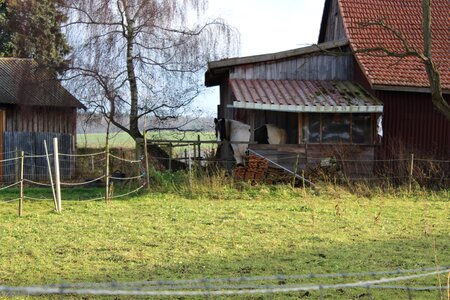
(140, 58)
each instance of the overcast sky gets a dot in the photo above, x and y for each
(267, 26)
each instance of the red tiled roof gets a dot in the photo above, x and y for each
(406, 17)
(303, 96)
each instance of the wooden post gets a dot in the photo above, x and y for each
(57, 174)
(190, 172)
(185, 156)
(16, 165)
(199, 151)
(147, 168)
(411, 169)
(190, 166)
(306, 156)
(107, 173)
(122, 154)
(170, 156)
(50, 174)
(295, 170)
(22, 162)
(195, 152)
(304, 186)
(252, 124)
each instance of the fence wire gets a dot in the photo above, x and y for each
(201, 287)
(95, 161)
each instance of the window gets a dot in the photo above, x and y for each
(311, 130)
(337, 128)
(361, 129)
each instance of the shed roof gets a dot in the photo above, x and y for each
(406, 18)
(303, 96)
(23, 82)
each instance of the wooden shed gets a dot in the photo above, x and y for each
(330, 100)
(33, 107)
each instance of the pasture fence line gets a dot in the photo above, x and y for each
(336, 165)
(278, 284)
(103, 177)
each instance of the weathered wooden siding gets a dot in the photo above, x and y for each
(314, 67)
(355, 161)
(411, 124)
(332, 23)
(40, 119)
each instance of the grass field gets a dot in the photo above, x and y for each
(123, 140)
(227, 231)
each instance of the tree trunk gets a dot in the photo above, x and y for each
(433, 74)
(134, 124)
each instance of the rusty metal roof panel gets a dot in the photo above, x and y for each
(23, 82)
(303, 96)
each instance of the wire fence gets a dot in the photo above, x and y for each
(313, 163)
(113, 169)
(410, 282)
(114, 174)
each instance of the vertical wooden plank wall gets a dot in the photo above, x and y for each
(25, 128)
(41, 119)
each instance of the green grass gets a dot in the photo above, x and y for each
(123, 140)
(221, 230)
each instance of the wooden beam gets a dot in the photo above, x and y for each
(300, 128)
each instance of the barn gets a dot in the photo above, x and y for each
(334, 98)
(33, 107)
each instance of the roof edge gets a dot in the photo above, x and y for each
(230, 62)
(324, 22)
(412, 89)
(351, 42)
(308, 109)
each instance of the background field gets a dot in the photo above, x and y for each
(228, 231)
(123, 140)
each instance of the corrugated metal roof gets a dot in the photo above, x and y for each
(23, 82)
(303, 96)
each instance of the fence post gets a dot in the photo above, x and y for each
(303, 182)
(57, 174)
(199, 151)
(411, 169)
(22, 162)
(147, 168)
(16, 165)
(195, 152)
(50, 174)
(190, 166)
(295, 170)
(306, 156)
(170, 156)
(107, 172)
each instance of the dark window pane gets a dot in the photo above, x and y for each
(336, 128)
(361, 129)
(311, 129)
